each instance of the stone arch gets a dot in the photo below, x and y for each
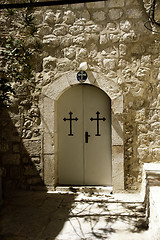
(50, 95)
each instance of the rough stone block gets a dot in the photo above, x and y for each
(32, 147)
(25, 159)
(54, 90)
(115, 3)
(15, 172)
(95, 5)
(99, 16)
(34, 180)
(4, 147)
(48, 143)
(48, 115)
(49, 174)
(117, 130)
(132, 2)
(117, 105)
(51, 40)
(134, 13)
(49, 63)
(16, 148)
(115, 14)
(77, 6)
(154, 221)
(142, 153)
(30, 170)
(118, 168)
(11, 159)
(35, 160)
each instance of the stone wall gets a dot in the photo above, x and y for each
(110, 36)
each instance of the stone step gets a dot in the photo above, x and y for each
(82, 208)
(71, 215)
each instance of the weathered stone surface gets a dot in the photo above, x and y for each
(117, 130)
(77, 6)
(48, 143)
(32, 147)
(115, 14)
(99, 16)
(16, 148)
(50, 18)
(60, 30)
(96, 5)
(4, 146)
(134, 13)
(48, 115)
(69, 17)
(76, 29)
(125, 25)
(52, 40)
(132, 2)
(34, 180)
(30, 170)
(122, 61)
(109, 64)
(118, 167)
(49, 170)
(115, 3)
(69, 52)
(11, 159)
(49, 63)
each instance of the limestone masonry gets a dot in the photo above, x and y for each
(123, 59)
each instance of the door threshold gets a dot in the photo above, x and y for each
(85, 189)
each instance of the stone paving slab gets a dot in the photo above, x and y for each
(63, 216)
(103, 209)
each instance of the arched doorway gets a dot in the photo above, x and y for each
(84, 137)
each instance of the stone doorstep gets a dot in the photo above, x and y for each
(98, 194)
(85, 189)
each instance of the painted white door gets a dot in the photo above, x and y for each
(84, 137)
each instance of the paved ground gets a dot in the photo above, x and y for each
(70, 216)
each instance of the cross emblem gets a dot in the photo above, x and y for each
(98, 119)
(70, 119)
(81, 76)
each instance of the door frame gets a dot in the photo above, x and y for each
(50, 95)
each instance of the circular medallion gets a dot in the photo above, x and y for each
(81, 76)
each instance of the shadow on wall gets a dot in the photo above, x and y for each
(20, 161)
(26, 213)
(41, 215)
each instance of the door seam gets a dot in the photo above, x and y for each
(83, 135)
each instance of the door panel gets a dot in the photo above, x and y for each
(98, 149)
(81, 162)
(70, 148)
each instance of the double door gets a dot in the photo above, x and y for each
(84, 137)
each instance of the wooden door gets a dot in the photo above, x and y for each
(84, 137)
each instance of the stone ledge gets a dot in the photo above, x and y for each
(151, 190)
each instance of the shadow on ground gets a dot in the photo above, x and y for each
(34, 215)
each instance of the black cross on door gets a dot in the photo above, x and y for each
(98, 119)
(70, 119)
